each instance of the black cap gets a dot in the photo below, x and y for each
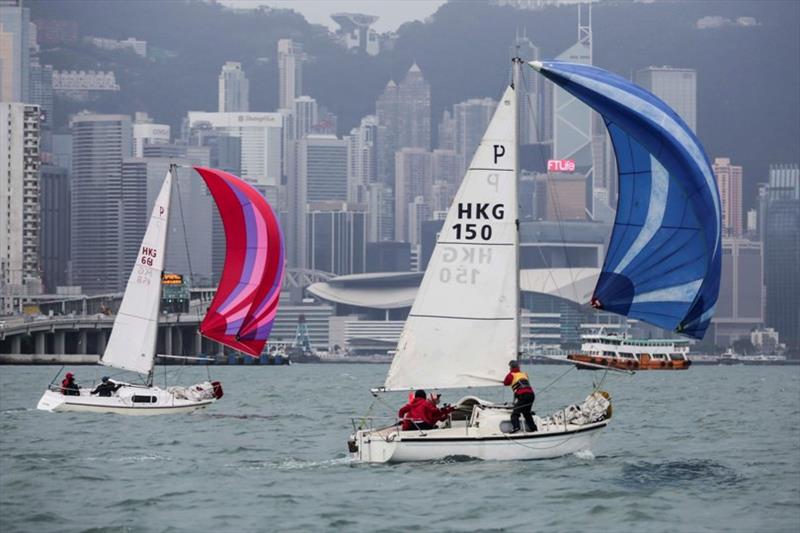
(420, 394)
(513, 363)
(104, 379)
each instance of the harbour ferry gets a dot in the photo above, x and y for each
(618, 350)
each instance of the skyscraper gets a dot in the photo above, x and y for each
(261, 136)
(54, 201)
(386, 109)
(572, 122)
(380, 213)
(146, 132)
(782, 253)
(413, 177)
(290, 72)
(362, 161)
(234, 89)
(471, 118)
(337, 238)
(414, 110)
(740, 307)
(19, 201)
(676, 86)
(529, 95)
(14, 51)
(306, 115)
(100, 142)
(729, 180)
(318, 172)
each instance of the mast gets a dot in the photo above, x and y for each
(517, 63)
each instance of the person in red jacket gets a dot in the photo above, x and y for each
(422, 413)
(69, 387)
(523, 396)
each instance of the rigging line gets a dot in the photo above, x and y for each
(570, 369)
(174, 168)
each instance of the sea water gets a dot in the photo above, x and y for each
(709, 449)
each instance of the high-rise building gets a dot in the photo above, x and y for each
(386, 109)
(306, 115)
(100, 142)
(362, 163)
(471, 118)
(290, 72)
(419, 211)
(447, 131)
(234, 89)
(145, 132)
(261, 137)
(447, 167)
(318, 172)
(676, 86)
(729, 181)
(413, 177)
(782, 253)
(529, 96)
(740, 307)
(572, 120)
(14, 51)
(19, 201)
(337, 238)
(380, 213)
(54, 201)
(414, 110)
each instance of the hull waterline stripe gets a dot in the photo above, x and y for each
(492, 169)
(509, 437)
(136, 407)
(463, 317)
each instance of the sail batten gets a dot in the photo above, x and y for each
(462, 328)
(664, 258)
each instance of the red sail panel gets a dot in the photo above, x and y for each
(247, 219)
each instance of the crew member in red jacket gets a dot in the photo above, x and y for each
(523, 396)
(69, 387)
(422, 413)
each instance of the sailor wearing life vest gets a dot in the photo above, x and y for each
(523, 397)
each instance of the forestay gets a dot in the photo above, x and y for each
(462, 329)
(132, 343)
(664, 258)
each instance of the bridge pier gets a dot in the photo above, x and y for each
(101, 342)
(83, 340)
(179, 339)
(168, 340)
(198, 344)
(16, 344)
(60, 342)
(40, 341)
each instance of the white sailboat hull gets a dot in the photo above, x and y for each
(374, 448)
(131, 400)
(484, 434)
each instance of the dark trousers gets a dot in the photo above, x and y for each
(523, 403)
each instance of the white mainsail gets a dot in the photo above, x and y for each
(463, 327)
(133, 339)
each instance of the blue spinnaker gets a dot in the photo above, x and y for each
(664, 259)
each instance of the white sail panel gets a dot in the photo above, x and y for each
(133, 339)
(462, 329)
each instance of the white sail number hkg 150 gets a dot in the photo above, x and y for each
(485, 211)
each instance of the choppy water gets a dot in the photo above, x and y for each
(711, 449)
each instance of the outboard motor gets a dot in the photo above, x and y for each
(217, 386)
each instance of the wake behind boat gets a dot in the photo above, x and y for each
(662, 267)
(240, 316)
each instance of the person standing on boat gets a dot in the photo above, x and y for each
(68, 385)
(523, 396)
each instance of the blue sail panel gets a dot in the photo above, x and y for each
(664, 256)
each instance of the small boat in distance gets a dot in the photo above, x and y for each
(240, 316)
(618, 350)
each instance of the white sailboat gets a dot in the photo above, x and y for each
(132, 344)
(463, 327)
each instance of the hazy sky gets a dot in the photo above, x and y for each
(392, 13)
